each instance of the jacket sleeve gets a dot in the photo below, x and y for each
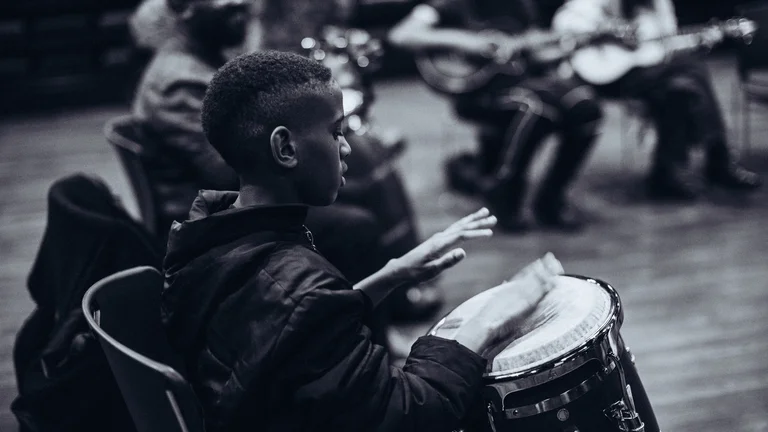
(182, 130)
(347, 384)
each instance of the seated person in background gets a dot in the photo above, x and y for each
(271, 333)
(519, 111)
(678, 93)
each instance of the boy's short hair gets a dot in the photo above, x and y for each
(253, 94)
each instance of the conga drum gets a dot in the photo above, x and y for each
(566, 370)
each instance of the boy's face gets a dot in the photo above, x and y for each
(321, 148)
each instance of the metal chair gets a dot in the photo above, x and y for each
(123, 311)
(123, 134)
(752, 66)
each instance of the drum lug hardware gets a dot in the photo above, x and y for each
(627, 418)
(606, 370)
(624, 411)
(491, 420)
(631, 356)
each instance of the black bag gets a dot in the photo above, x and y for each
(63, 377)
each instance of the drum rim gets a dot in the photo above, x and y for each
(577, 356)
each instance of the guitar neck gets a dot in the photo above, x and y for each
(538, 40)
(543, 40)
(688, 40)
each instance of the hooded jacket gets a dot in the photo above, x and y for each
(273, 338)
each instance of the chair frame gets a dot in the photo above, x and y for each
(92, 315)
(126, 148)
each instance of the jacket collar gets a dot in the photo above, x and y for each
(213, 222)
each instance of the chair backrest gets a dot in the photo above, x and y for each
(123, 310)
(755, 54)
(124, 135)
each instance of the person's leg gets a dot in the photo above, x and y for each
(526, 121)
(668, 106)
(580, 116)
(686, 111)
(708, 128)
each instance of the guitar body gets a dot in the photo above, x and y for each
(607, 63)
(455, 74)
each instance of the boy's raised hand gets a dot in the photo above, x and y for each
(440, 251)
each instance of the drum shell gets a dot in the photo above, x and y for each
(584, 414)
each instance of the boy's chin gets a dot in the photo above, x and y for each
(324, 201)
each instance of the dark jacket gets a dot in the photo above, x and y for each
(63, 378)
(273, 335)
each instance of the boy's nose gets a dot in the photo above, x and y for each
(345, 149)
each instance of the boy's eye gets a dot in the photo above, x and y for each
(338, 133)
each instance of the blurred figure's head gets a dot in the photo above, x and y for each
(217, 23)
(276, 118)
(286, 22)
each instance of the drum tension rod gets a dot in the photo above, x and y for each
(491, 419)
(623, 410)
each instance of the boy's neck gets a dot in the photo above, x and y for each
(253, 195)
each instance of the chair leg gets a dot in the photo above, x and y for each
(626, 151)
(746, 118)
(736, 111)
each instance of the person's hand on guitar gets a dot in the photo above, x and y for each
(480, 45)
(711, 37)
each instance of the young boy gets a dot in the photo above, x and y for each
(272, 334)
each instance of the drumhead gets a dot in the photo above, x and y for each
(571, 314)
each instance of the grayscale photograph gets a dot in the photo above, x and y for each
(384, 216)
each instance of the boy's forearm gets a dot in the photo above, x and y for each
(380, 284)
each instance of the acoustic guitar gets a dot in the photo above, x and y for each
(607, 62)
(454, 73)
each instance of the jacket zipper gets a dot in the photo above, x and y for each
(310, 238)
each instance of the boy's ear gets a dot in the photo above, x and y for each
(283, 147)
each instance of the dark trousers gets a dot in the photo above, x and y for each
(683, 106)
(518, 116)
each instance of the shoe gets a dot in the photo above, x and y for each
(733, 177)
(504, 199)
(558, 215)
(670, 186)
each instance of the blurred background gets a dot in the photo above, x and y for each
(693, 278)
(63, 53)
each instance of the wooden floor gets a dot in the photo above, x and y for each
(693, 279)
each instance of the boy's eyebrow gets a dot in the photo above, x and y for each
(340, 119)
